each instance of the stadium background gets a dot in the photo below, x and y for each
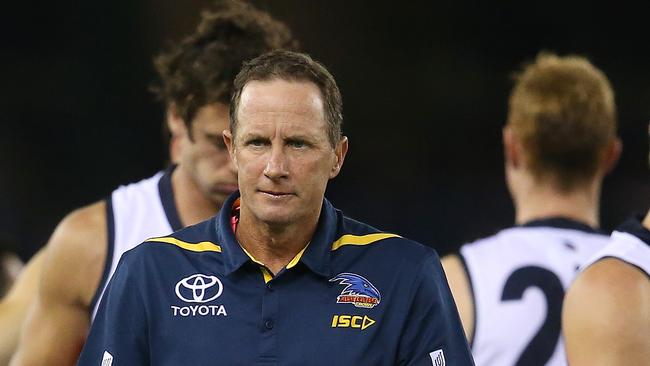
(424, 83)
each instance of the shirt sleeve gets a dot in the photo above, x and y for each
(118, 336)
(433, 334)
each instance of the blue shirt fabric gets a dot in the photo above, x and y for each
(355, 296)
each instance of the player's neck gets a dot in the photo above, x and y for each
(274, 246)
(192, 205)
(535, 201)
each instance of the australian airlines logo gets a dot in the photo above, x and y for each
(358, 291)
(199, 289)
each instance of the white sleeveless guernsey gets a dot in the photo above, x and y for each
(518, 279)
(630, 243)
(134, 213)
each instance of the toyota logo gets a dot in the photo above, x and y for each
(199, 287)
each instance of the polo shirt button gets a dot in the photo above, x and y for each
(269, 286)
(268, 324)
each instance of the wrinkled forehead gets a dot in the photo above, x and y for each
(279, 96)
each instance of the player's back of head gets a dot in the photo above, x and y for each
(562, 110)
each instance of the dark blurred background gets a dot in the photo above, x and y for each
(425, 86)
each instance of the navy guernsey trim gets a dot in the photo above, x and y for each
(110, 246)
(166, 192)
(471, 290)
(562, 223)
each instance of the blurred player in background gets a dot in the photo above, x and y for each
(606, 317)
(196, 80)
(560, 141)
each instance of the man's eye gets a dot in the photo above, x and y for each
(297, 144)
(256, 142)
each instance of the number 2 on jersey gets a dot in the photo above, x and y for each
(541, 347)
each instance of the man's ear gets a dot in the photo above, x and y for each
(340, 151)
(612, 154)
(175, 123)
(177, 131)
(511, 147)
(230, 144)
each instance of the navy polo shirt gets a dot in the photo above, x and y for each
(353, 296)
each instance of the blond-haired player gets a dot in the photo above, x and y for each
(559, 141)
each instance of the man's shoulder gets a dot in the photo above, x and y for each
(383, 256)
(137, 186)
(75, 253)
(193, 239)
(81, 232)
(524, 238)
(600, 298)
(357, 236)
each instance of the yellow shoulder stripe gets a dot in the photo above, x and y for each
(361, 239)
(204, 246)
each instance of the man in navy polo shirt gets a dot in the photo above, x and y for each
(282, 277)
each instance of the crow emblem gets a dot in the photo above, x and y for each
(358, 291)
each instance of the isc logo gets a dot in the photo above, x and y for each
(351, 321)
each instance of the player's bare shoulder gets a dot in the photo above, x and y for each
(607, 285)
(76, 253)
(599, 313)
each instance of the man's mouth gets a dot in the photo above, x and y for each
(276, 194)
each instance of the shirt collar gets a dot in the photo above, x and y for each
(316, 255)
(562, 223)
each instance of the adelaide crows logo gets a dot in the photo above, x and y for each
(358, 291)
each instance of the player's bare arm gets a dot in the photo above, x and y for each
(461, 290)
(603, 324)
(13, 307)
(58, 320)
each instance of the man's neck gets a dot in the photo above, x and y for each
(192, 205)
(273, 246)
(541, 201)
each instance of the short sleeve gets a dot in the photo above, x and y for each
(433, 334)
(118, 335)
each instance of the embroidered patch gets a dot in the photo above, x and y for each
(358, 291)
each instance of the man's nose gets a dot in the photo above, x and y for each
(276, 165)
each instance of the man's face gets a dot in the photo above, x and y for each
(282, 152)
(205, 156)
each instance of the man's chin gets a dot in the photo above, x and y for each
(276, 219)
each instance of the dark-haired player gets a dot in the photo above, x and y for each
(196, 78)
